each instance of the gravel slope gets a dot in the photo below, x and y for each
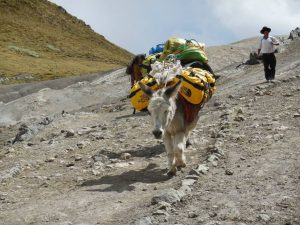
(69, 165)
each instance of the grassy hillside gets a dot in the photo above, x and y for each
(40, 40)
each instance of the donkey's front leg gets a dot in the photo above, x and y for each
(179, 148)
(170, 153)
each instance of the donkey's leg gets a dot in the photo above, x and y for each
(170, 153)
(179, 148)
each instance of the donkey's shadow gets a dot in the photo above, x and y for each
(124, 182)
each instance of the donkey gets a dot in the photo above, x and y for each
(133, 69)
(168, 114)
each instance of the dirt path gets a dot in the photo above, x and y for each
(70, 167)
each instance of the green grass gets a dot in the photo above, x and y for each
(38, 38)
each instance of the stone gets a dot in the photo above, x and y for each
(296, 115)
(202, 168)
(125, 156)
(84, 130)
(277, 137)
(25, 133)
(51, 159)
(239, 118)
(264, 217)
(187, 182)
(69, 164)
(228, 172)
(191, 176)
(160, 213)
(192, 215)
(253, 58)
(82, 144)
(78, 158)
(100, 158)
(69, 133)
(170, 196)
(164, 206)
(143, 221)
(295, 34)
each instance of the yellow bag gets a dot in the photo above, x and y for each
(137, 97)
(197, 85)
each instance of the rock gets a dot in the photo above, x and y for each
(30, 144)
(187, 182)
(125, 156)
(212, 214)
(46, 121)
(78, 158)
(24, 133)
(170, 196)
(164, 206)
(82, 144)
(253, 58)
(143, 221)
(69, 164)
(296, 115)
(240, 111)
(228, 172)
(295, 34)
(84, 130)
(95, 172)
(192, 215)
(212, 158)
(51, 159)
(264, 217)
(202, 168)
(277, 137)
(194, 177)
(239, 118)
(69, 133)
(12, 172)
(101, 158)
(160, 212)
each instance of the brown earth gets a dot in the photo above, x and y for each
(69, 169)
(40, 41)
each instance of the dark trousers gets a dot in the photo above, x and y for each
(269, 60)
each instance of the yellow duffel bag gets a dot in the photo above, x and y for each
(197, 85)
(137, 97)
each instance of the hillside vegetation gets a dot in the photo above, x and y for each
(40, 40)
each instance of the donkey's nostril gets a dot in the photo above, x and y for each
(157, 133)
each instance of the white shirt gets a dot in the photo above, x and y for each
(267, 45)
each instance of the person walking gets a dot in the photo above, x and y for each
(267, 49)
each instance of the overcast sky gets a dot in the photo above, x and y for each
(137, 25)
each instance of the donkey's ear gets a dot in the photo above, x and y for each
(146, 89)
(172, 91)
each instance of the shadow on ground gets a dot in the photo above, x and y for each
(124, 182)
(143, 152)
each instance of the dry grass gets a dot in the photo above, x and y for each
(37, 37)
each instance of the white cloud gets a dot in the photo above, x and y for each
(245, 18)
(137, 25)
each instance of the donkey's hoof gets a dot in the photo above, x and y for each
(171, 173)
(179, 168)
(181, 165)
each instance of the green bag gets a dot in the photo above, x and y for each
(184, 50)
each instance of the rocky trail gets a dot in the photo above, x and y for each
(78, 155)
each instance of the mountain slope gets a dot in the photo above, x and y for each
(42, 41)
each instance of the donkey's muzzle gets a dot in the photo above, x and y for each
(157, 134)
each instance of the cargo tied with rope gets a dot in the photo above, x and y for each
(197, 86)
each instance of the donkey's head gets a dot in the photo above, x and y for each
(162, 107)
